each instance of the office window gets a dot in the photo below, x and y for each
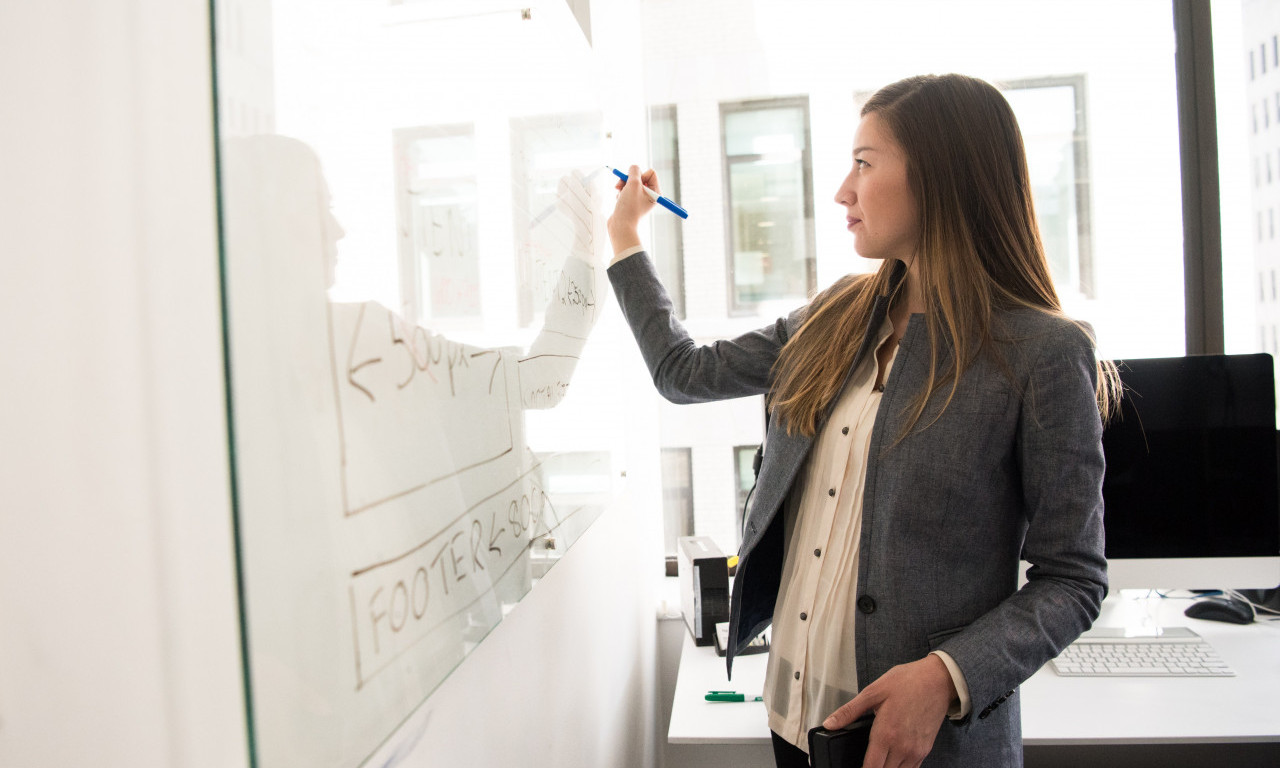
(769, 201)
(543, 149)
(744, 477)
(1051, 114)
(668, 231)
(1249, 319)
(677, 496)
(437, 222)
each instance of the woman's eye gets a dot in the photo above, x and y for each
(860, 163)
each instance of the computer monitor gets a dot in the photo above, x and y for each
(1191, 487)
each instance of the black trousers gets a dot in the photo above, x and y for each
(788, 755)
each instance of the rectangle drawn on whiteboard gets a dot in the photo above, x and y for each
(404, 398)
(397, 603)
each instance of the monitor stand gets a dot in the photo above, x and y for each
(1135, 613)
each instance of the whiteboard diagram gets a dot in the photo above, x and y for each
(391, 509)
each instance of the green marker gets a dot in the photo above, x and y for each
(730, 696)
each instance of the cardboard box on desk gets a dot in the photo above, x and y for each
(704, 586)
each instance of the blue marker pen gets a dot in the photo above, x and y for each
(657, 198)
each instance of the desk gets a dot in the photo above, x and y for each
(1065, 721)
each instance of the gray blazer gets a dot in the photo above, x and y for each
(1011, 470)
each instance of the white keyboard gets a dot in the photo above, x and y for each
(1107, 652)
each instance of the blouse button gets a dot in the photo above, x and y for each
(804, 616)
(797, 675)
(831, 491)
(844, 431)
(817, 552)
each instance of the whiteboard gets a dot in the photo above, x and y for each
(412, 262)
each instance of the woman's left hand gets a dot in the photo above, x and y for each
(910, 702)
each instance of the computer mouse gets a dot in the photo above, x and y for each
(1220, 609)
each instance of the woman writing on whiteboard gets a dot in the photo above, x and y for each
(931, 423)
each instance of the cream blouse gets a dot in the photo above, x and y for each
(811, 670)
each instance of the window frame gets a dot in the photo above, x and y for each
(1201, 192)
(687, 453)
(744, 309)
(413, 303)
(672, 271)
(1083, 197)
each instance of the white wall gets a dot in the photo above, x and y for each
(119, 639)
(119, 628)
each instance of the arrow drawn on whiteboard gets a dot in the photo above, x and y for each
(353, 369)
(494, 532)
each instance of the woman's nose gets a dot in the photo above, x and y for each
(845, 194)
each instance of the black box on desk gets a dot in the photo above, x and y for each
(704, 586)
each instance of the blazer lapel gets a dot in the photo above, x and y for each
(785, 453)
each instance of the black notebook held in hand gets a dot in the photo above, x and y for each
(843, 748)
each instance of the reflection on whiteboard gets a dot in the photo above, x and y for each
(389, 509)
(438, 225)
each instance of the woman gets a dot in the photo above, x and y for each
(931, 424)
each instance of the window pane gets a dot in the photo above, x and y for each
(744, 475)
(439, 226)
(677, 496)
(543, 149)
(766, 155)
(765, 132)
(1248, 99)
(668, 244)
(1051, 115)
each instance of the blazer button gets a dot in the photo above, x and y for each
(867, 604)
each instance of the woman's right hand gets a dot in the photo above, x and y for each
(633, 203)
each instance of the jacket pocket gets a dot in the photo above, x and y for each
(938, 638)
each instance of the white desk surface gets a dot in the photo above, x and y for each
(1055, 710)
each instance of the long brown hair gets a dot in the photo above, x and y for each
(979, 249)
